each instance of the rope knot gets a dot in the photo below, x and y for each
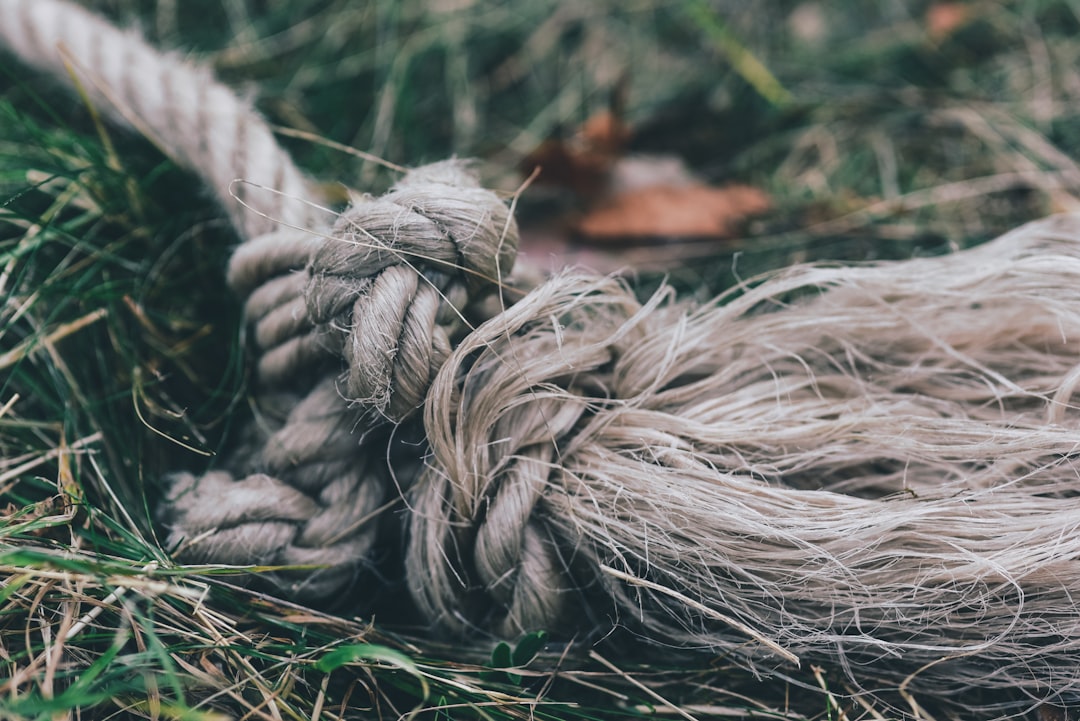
(302, 496)
(396, 274)
(511, 420)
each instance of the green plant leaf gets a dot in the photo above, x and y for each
(502, 657)
(370, 652)
(374, 653)
(528, 647)
(85, 681)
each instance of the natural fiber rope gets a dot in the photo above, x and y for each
(175, 102)
(382, 288)
(874, 467)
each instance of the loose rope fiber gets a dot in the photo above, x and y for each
(870, 467)
(874, 465)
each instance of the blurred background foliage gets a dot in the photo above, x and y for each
(938, 124)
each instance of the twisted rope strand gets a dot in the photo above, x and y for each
(178, 103)
(399, 276)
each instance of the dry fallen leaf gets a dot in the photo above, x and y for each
(583, 162)
(605, 132)
(637, 197)
(581, 171)
(945, 18)
(690, 211)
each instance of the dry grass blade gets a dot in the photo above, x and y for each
(16, 354)
(705, 610)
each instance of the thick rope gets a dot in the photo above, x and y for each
(306, 492)
(873, 467)
(391, 287)
(177, 103)
(384, 290)
(306, 496)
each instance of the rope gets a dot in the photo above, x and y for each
(175, 102)
(870, 467)
(309, 492)
(866, 474)
(398, 300)
(307, 496)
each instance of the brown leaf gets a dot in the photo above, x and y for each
(605, 132)
(697, 211)
(637, 197)
(583, 162)
(584, 171)
(945, 18)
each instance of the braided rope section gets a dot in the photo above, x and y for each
(308, 496)
(384, 289)
(398, 276)
(482, 536)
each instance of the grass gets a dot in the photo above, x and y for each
(121, 352)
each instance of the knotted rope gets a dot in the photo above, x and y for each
(385, 290)
(877, 465)
(873, 467)
(396, 320)
(384, 287)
